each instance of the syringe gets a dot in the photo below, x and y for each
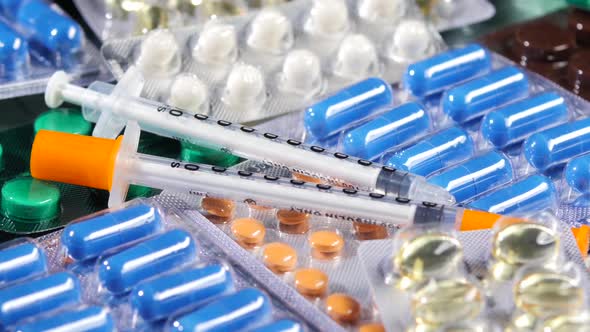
(114, 164)
(334, 168)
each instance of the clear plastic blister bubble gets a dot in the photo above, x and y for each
(278, 59)
(313, 254)
(524, 270)
(38, 38)
(141, 266)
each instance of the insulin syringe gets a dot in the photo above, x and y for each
(114, 165)
(334, 168)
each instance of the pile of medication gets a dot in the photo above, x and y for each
(495, 136)
(133, 268)
(36, 39)
(277, 59)
(313, 254)
(521, 276)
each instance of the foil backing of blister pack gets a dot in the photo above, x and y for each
(265, 72)
(214, 246)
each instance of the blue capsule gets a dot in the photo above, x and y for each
(557, 145)
(349, 105)
(58, 33)
(283, 325)
(577, 174)
(441, 71)
(234, 312)
(160, 298)
(471, 100)
(14, 49)
(515, 122)
(90, 238)
(21, 261)
(391, 129)
(534, 193)
(475, 176)
(38, 296)
(88, 319)
(434, 153)
(120, 272)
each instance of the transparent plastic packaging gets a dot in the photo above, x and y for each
(38, 38)
(479, 105)
(280, 58)
(527, 272)
(145, 266)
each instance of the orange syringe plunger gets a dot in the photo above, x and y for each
(75, 159)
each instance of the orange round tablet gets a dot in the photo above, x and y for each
(218, 210)
(343, 308)
(279, 257)
(372, 327)
(326, 244)
(369, 232)
(248, 232)
(311, 282)
(293, 222)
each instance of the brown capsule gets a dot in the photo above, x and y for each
(369, 232)
(578, 73)
(311, 282)
(579, 24)
(249, 232)
(552, 45)
(343, 308)
(293, 222)
(279, 257)
(218, 210)
(326, 244)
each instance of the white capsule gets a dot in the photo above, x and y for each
(190, 93)
(412, 39)
(381, 10)
(356, 58)
(159, 51)
(270, 32)
(301, 72)
(217, 44)
(244, 86)
(327, 17)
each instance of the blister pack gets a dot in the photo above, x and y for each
(37, 38)
(275, 60)
(523, 275)
(495, 136)
(144, 266)
(314, 254)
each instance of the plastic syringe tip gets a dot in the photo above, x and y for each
(424, 191)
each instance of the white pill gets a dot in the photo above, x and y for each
(270, 32)
(356, 57)
(189, 92)
(217, 44)
(328, 17)
(378, 10)
(412, 39)
(159, 50)
(245, 85)
(301, 71)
